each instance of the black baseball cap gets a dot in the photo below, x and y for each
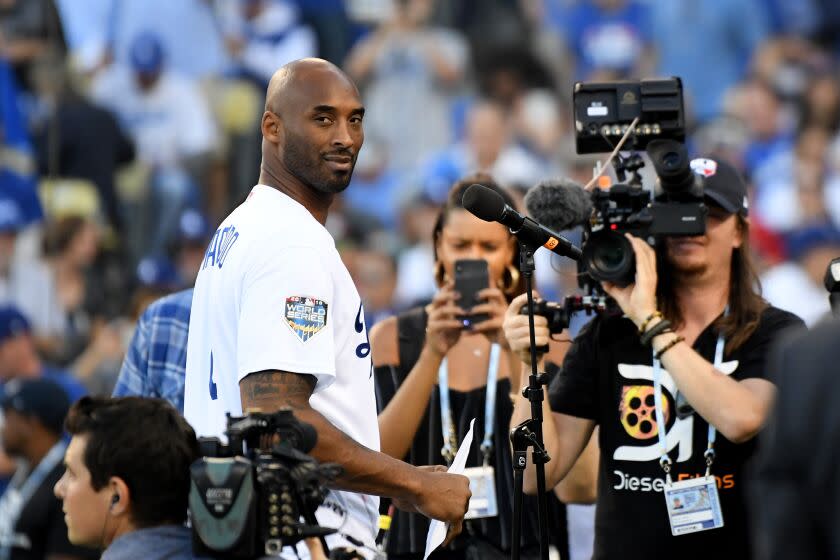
(43, 399)
(722, 184)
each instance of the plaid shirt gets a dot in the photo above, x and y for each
(156, 360)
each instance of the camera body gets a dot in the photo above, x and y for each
(673, 207)
(559, 314)
(555, 313)
(247, 497)
(605, 110)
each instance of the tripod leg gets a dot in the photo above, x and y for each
(516, 528)
(543, 511)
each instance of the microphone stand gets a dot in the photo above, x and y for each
(529, 433)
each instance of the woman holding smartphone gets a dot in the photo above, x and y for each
(441, 365)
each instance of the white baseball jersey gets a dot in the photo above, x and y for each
(273, 294)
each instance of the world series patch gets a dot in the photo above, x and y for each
(306, 316)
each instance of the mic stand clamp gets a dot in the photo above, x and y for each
(529, 433)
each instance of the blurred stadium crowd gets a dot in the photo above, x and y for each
(129, 128)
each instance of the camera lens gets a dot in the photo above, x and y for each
(671, 161)
(608, 256)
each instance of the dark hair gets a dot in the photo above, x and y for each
(145, 442)
(454, 201)
(60, 234)
(745, 301)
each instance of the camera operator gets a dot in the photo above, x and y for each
(277, 322)
(127, 478)
(695, 307)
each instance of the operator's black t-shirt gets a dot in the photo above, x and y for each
(40, 528)
(607, 376)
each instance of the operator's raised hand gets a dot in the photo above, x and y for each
(637, 300)
(515, 326)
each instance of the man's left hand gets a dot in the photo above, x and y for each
(637, 300)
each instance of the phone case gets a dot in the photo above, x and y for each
(471, 276)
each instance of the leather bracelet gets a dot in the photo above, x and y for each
(647, 321)
(655, 330)
(668, 346)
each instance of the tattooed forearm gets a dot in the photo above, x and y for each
(271, 390)
(365, 471)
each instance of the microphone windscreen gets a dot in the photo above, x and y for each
(483, 203)
(559, 204)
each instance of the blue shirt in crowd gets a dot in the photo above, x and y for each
(607, 39)
(377, 196)
(156, 360)
(72, 386)
(708, 44)
(18, 179)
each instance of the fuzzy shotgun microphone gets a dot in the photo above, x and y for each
(559, 204)
(489, 206)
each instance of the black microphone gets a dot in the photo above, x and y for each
(489, 206)
(560, 204)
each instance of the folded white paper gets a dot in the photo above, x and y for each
(437, 529)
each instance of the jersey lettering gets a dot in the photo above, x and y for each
(363, 349)
(220, 246)
(214, 394)
(317, 315)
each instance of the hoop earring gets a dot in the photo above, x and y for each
(513, 273)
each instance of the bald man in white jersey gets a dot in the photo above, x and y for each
(277, 321)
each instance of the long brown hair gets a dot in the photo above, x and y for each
(59, 234)
(745, 301)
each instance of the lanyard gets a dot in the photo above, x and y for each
(664, 459)
(450, 441)
(19, 492)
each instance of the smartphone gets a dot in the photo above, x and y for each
(471, 276)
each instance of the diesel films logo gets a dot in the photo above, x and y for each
(635, 412)
(638, 484)
(632, 483)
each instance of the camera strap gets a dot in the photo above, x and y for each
(692, 504)
(450, 440)
(665, 460)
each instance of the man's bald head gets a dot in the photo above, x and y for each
(290, 81)
(312, 126)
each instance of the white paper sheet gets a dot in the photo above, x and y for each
(437, 529)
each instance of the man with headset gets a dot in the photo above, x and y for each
(125, 490)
